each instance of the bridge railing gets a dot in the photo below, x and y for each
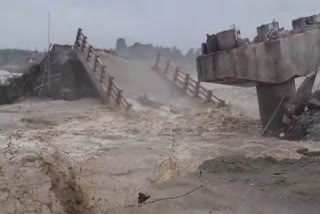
(108, 89)
(184, 80)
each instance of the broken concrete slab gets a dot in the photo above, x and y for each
(314, 104)
(212, 43)
(304, 92)
(227, 39)
(70, 74)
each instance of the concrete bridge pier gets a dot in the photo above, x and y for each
(271, 66)
(269, 100)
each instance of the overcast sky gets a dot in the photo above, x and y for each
(180, 23)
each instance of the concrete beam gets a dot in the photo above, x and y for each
(272, 62)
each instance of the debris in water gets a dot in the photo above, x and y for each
(306, 152)
(143, 197)
(146, 101)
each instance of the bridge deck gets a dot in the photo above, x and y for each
(270, 62)
(137, 79)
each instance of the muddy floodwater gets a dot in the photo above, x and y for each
(80, 157)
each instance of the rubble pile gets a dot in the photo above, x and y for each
(270, 32)
(69, 80)
(305, 24)
(225, 40)
(307, 125)
(302, 117)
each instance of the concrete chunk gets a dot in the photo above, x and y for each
(227, 39)
(314, 104)
(268, 28)
(212, 43)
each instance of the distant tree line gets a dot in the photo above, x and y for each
(14, 56)
(147, 51)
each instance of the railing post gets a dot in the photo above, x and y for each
(209, 95)
(156, 66)
(78, 36)
(128, 106)
(167, 67)
(84, 43)
(176, 73)
(186, 82)
(89, 52)
(110, 86)
(96, 63)
(118, 97)
(196, 89)
(103, 72)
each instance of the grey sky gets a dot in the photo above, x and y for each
(181, 23)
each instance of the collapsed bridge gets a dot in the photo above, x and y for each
(270, 64)
(73, 72)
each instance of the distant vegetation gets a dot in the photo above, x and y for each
(147, 51)
(14, 60)
(14, 57)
